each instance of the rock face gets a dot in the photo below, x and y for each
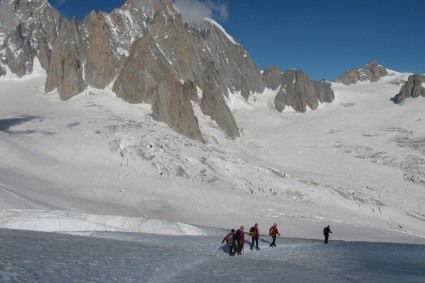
(145, 78)
(299, 92)
(65, 70)
(33, 35)
(148, 53)
(272, 77)
(193, 55)
(145, 48)
(414, 87)
(324, 91)
(173, 107)
(370, 72)
(101, 63)
(214, 105)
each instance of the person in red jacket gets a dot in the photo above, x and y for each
(240, 238)
(273, 232)
(255, 235)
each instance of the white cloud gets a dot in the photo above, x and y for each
(60, 3)
(195, 11)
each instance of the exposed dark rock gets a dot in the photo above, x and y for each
(414, 87)
(2, 71)
(370, 72)
(189, 89)
(35, 31)
(272, 77)
(298, 91)
(150, 55)
(146, 78)
(101, 63)
(214, 104)
(173, 106)
(66, 70)
(324, 91)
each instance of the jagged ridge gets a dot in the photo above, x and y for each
(149, 55)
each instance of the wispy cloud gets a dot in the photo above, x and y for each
(194, 11)
(60, 2)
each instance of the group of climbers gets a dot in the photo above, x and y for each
(235, 239)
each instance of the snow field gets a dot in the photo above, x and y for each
(133, 257)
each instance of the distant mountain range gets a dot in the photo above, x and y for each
(147, 53)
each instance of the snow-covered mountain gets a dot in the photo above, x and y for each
(371, 72)
(148, 53)
(356, 163)
(28, 30)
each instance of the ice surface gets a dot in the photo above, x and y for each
(128, 257)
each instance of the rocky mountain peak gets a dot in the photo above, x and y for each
(272, 77)
(413, 88)
(297, 90)
(149, 53)
(35, 29)
(370, 72)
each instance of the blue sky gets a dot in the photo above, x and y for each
(322, 38)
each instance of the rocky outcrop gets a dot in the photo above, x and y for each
(149, 54)
(299, 92)
(414, 87)
(146, 78)
(370, 72)
(18, 52)
(194, 54)
(65, 71)
(86, 53)
(35, 32)
(101, 64)
(272, 77)
(173, 106)
(191, 51)
(98, 53)
(214, 105)
(324, 91)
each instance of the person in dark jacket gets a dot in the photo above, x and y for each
(240, 238)
(326, 232)
(255, 235)
(230, 242)
(273, 232)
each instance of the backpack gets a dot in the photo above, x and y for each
(252, 232)
(326, 231)
(229, 239)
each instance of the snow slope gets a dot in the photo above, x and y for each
(98, 163)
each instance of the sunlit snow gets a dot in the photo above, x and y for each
(97, 163)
